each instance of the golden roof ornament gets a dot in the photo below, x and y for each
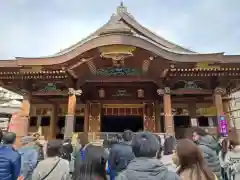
(72, 91)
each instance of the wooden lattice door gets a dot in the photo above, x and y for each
(94, 117)
(149, 117)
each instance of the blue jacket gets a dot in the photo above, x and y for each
(10, 163)
(29, 159)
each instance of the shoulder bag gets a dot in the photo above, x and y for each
(51, 170)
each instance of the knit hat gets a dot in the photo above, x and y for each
(145, 144)
(27, 139)
(55, 143)
(54, 147)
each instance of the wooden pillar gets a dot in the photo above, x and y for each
(20, 120)
(218, 100)
(227, 109)
(168, 119)
(218, 93)
(70, 117)
(86, 118)
(53, 124)
(157, 116)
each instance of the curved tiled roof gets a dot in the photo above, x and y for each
(122, 28)
(127, 21)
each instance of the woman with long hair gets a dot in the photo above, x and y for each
(222, 155)
(232, 158)
(93, 165)
(192, 166)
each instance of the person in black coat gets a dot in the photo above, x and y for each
(66, 150)
(121, 154)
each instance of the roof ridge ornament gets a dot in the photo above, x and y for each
(121, 8)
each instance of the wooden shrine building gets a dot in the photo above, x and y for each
(122, 76)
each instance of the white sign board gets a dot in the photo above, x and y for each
(194, 122)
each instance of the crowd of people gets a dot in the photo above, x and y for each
(129, 156)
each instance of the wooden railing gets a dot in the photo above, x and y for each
(95, 136)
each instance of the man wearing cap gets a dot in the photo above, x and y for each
(29, 156)
(145, 165)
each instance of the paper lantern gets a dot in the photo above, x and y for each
(140, 93)
(101, 93)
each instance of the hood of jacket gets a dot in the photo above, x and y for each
(146, 168)
(208, 141)
(125, 142)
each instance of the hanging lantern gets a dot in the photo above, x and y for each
(140, 93)
(101, 93)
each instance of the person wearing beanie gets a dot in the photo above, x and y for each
(10, 162)
(145, 146)
(29, 156)
(120, 154)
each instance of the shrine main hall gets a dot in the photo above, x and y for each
(122, 76)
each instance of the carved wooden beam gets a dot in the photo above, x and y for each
(50, 93)
(81, 61)
(92, 66)
(192, 91)
(48, 101)
(72, 73)
(72, 78)
(164, 73)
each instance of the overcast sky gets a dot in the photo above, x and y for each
(44, 27)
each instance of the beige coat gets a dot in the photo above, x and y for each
(188, 174)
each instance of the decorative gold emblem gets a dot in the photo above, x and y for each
(117, 52)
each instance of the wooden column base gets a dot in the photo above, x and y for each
(70, 118)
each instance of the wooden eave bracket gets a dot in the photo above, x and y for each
(164, 73)
(72, 73)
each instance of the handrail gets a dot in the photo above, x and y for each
(95, 136)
